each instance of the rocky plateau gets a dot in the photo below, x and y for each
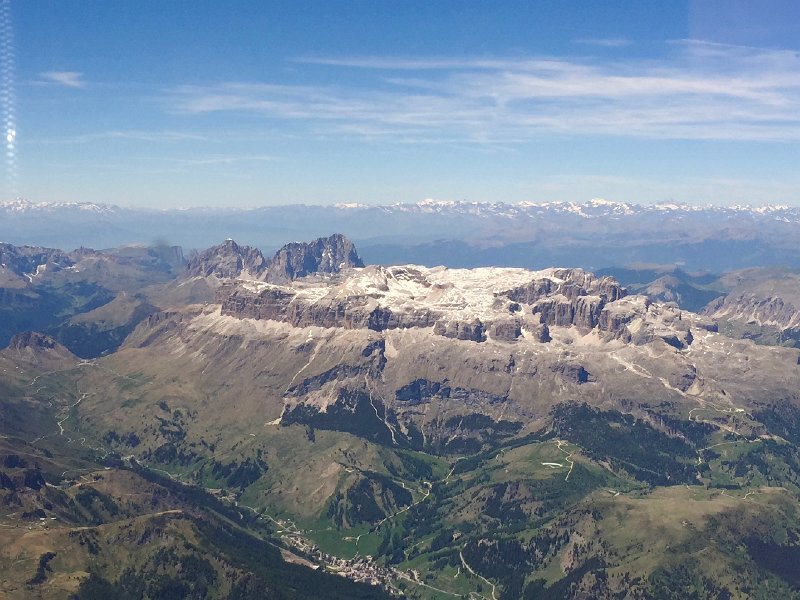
(403, 352)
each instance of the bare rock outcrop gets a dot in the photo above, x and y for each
(227, 260)
(40, 349)
(569, 297)
(570, 283)
(280, 304)
(464, 305)
(573, 373)
(756, 310)
(323, 255)
(473, 331)
(298, 259)
(581, 311)
(506, 330)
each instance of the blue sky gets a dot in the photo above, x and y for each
(167, 103)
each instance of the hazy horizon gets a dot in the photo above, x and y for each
(595, 201)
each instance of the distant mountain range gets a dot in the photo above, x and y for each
(595, 234)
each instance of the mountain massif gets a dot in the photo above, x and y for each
(298, 259)
(302, 422)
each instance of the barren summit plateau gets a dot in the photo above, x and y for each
(410, 345)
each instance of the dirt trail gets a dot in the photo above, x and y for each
(472, 571)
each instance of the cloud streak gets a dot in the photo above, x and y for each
(701, 91)
(70, 79)
(165, 136)
(223, 160)
(604, 42)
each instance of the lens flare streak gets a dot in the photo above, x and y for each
(7, 95)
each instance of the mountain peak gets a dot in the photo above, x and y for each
(229, 260)
(323, 255)
(226, 260)
(38, 348)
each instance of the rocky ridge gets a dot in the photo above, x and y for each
(23, 263)
(297, 259)
(762, 304)
(475, 305)
(38, 348)
(225, 260)
(776, 311)
(323, 255)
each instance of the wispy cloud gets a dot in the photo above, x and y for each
(145, 136)
(166, 136)
(71, 79)
(410, 64)
(223, 160)
(604, 42)
(701, 91)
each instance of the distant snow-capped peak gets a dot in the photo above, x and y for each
(595, 208)
(22, 205)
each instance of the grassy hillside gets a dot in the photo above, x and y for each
(593, 505)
